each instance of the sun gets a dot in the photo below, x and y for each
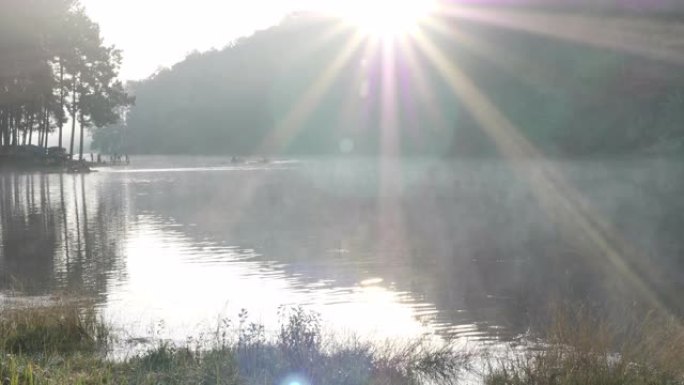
(387, 18)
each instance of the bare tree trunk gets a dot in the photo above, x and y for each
(3, 120)
(73, 119)
(25, 130)
(13, 123)
(10, 125)
(8, 132)
(30, 128)
(41, 133)
(60, 116)
(15, 129)
(7, 127)
(47, 126)
(80, 151)
(41, 127)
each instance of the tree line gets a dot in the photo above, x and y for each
(301, 88)
(55, 69)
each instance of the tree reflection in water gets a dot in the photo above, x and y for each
(54, 234)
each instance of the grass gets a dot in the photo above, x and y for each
(57, 329)
(581, 348)
(63, 344)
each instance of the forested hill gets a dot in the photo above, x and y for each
(574, 84)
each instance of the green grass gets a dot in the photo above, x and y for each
(57, 329)
(62, 344)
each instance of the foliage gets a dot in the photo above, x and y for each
(298, 88)
(53, 64)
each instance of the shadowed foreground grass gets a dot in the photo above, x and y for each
(64, 344)
(581, 348)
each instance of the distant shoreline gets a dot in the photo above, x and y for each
(24, 161)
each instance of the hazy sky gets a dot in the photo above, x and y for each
(154, 33)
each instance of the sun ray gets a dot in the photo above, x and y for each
(246, 194)
(421, 83)
(532, 72)
(356, 100)
(281, 135)
(556, 195)
(391, 215)
(389, 144)
(648, 37)
(338, 28)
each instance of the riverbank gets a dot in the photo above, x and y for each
(74, 167)
(582, 348)
(36, 159)
(64, 344)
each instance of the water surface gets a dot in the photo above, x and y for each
(475, 249)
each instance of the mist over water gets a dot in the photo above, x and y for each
(383, 247)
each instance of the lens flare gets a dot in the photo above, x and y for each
(295, 379)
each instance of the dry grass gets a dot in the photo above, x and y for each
(581, 348)
(64, 344)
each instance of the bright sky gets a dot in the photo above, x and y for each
(154, 33)
(159, 33)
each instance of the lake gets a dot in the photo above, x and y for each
(474, 249)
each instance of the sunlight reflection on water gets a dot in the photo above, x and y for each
(180, 242)
(193, 283)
